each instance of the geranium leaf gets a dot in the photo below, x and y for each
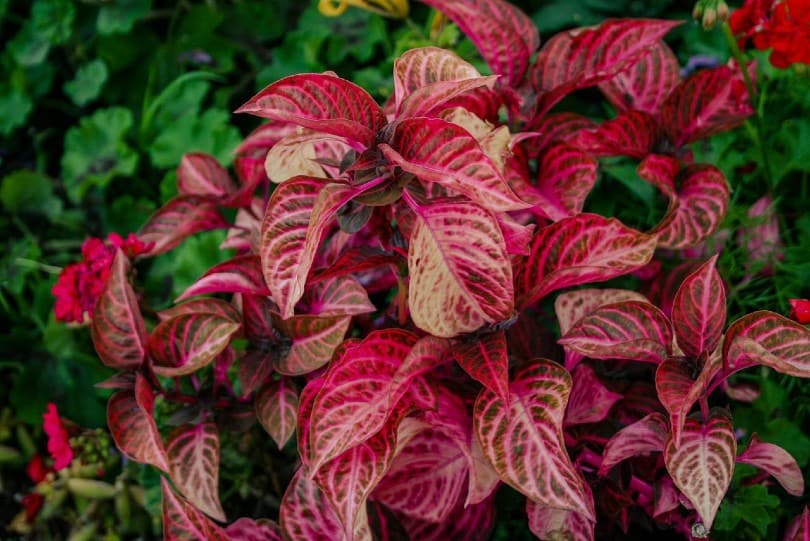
(632, 133)
(182, 522)
(566, 177)
(630, 330)
(485, 360)
(201, 175)
(339, 296)
(524, 440)
(699, 311)
(188, 342)
(242, 274)
(647, 435)
(550, 524)
(777, 462)
(703, 464)
(698, 209)
(460, 275)
(321, 102)
(276, 406)
(431, 148)
(314, 339)
(193, 452)
(590, 400)
(679, 387)
(578, 250)
(770, 339)
(206, 305)
(129, 417)
(181, 217)
(118, 331)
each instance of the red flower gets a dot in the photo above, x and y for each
(36, 469)
(58, 438)
(800, 310)
(32, 504)
(750, 18)
(782, 26)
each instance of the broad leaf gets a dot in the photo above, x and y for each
(524, 440)
(777, 462)
(554, 127)
(486, 361)
(470, 523)
(181, 217)
(703, 464)
(418, 68)
(582, 249)
(314, 339)
(255, 366)
(460, 276)
(631, 330)
(660, 170)
(188, 342)
(247, 529)
(118, 331)
(590, 400)
(193, 452)
(770, 339)
(699, 311)
(632, 133)
(799, 528)
(340, 296)
(680, 382)
(647, 435)
(321, 102)
(258, 314)
(276, 406)
(298, 154)
(182, 522)
(430, 100)
(242, 274)
(206, 305)
(551, 524)
(201, 175)
(566, 177)
(306, 514)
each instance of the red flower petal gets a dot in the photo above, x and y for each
(58, 438)
(800, 310)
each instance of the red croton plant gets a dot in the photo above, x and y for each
(387, 305)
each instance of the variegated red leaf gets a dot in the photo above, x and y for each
(181, 217)
(552, 524)
(314, 339)
(554, 127)
(193, 452)
(485, 360)
(432, 148)
(777, 462)
(255, 366)
(298, 154)
(524, 441)
(418, 68)
(647, 435)
(132, 427)
(242, 274)
(470, 523)
(260, 140)
(660, 170)
(460, 275)
(356, 260)
(566, 177)
(590, 400)
(339, 296)
(430, 100)
(633, 133)
(207, 305)
(646, 83)
(277, 409)
(484, 480)
(708, 102)
(321, 102)
(703, 464)
(769, 339)
(582, 249)
(201, 175)
(188, 342)
(118, 331)
(247, 529)
(697, 210)
(799, 527)
(699, 311)
(426, 354)
(631, 330)
(257, 316)
(182, 522)
(243, 236)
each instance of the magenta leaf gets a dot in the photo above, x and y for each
(590, 400)
(322, 102)
(314, 341)
(118, 331)
(242, 274)
(708, 102)
(770, 339)
(418, 68)
(703, 464)
(431, 149)
(646, 83)
(484, 480)
(566, 177)
(184, 344)
(181, 217)
(183, 522)
(129, 417)
(555, 127)
(698, 209)
(247, 529)
(193, 452)
(429, 101)
(799, 527)
(460, 275)
(340, 296)
(647, 435)
(680, 382)
(258, 315)
(582, 249)
(524, 440)
(207, 305)
(485, 360)
(470, 523)
(254, 368)
(356, 260)
(631, 330)
(551, 524)
(660, 170)
(632, 133)
(699, 311)
(201, 175)
(505, 36)
(426, 354)
(276, 406)
(777, 462)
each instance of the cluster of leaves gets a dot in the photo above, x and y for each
(388, 306)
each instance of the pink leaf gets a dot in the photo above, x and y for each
(356, 260)
(299, 154)
(646, 84)
(799, 527)
(207, 305)
(418, 68)
(181, 217)
(524, 440)
(254, 368)
(647, 435)
(277, 409)
(314, 341)
(777, 462)
(590, 401)
(321, 102)
(504, 35)
(247, 529)
(258, 314)
(460, 276)
(485, 360)
(431, 149)
(698, 209)
(703, 464)
(201, 175)
(242, 274)
(631, 330)
(260, 140)
(566, 177)
(129, 417)
(555, 127)
(188, 342)
(550, 524)
(243, 236)
(118, 331)
(632, 133)
(430, 100)
(699, 311)
(182, 522)
(578, 250)
(484, 479)
(193, 452)
(341, 296)
(770, 339)
(660, 170)
(470, 523)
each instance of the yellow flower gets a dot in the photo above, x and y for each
(389, 8)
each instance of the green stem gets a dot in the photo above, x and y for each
(759, 135)
(32, 264)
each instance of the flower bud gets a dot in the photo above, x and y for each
(709, 12)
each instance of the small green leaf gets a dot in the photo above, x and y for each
(14, 110)
(210, 132)
(53, 19)
(29, 192)
(28, 47)
(88, 82)
(752, 504)
(121, 15)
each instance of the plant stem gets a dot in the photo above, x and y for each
(31, 264)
